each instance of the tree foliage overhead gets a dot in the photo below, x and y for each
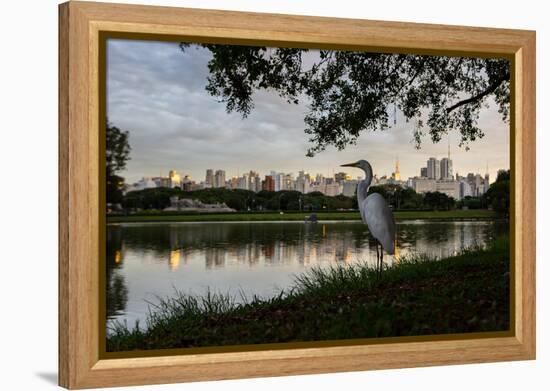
(351, 92)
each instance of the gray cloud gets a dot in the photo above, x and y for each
(157, 92)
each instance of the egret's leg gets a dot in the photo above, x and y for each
(379, 264)
(377, 257)
(381, 259)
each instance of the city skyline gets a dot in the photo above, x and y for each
(156, 92)
(436, 176)
(355, 174)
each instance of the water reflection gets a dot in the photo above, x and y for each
(175, 258)
(117, 291)
(146, 260)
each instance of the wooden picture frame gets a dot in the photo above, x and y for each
(82, 364)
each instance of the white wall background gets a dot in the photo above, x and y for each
(28, 195)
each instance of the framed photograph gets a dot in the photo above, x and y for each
(247, 195)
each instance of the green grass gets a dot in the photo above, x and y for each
(299, 216)
(417, 296)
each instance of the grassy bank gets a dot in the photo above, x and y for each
(418, 296)
(299, 216)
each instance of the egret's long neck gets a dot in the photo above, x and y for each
(363, 186)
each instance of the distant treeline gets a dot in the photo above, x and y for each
(243, 200)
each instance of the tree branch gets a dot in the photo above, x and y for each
(481, 95)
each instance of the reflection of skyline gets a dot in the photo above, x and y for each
(175, 258)
(224, 245)
(307, 250)
(257, 258)
(117, 291)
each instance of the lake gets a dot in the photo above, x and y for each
(150, 260)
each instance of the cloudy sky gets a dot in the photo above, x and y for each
(157, 93)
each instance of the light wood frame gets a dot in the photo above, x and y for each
(81, 364)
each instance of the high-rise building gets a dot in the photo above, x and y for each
(465, 188)
(268, 183)
(302, 182)
(162, 181)
(187, 183)
(252, 179)
(340, 177)
(446, 169)
(219, 178)
(242, 182)
(349, 188)
(277, 180)
(233, 183)
(257, 183)
(209, 180)
(175, 179)
(424, 172)
(396, 175)
(424, 185)
(447, 166)
(451, 188)
(143, 183)
(288, 182)
(478, 184)
(332, 189)
(433, 168)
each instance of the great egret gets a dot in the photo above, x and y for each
(376, 213)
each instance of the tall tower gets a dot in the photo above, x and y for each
(447, 165)
(397, 174)
(450, 161)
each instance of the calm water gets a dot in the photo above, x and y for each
(149, 260)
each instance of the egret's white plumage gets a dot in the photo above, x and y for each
(375, 212)
(379, 218)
